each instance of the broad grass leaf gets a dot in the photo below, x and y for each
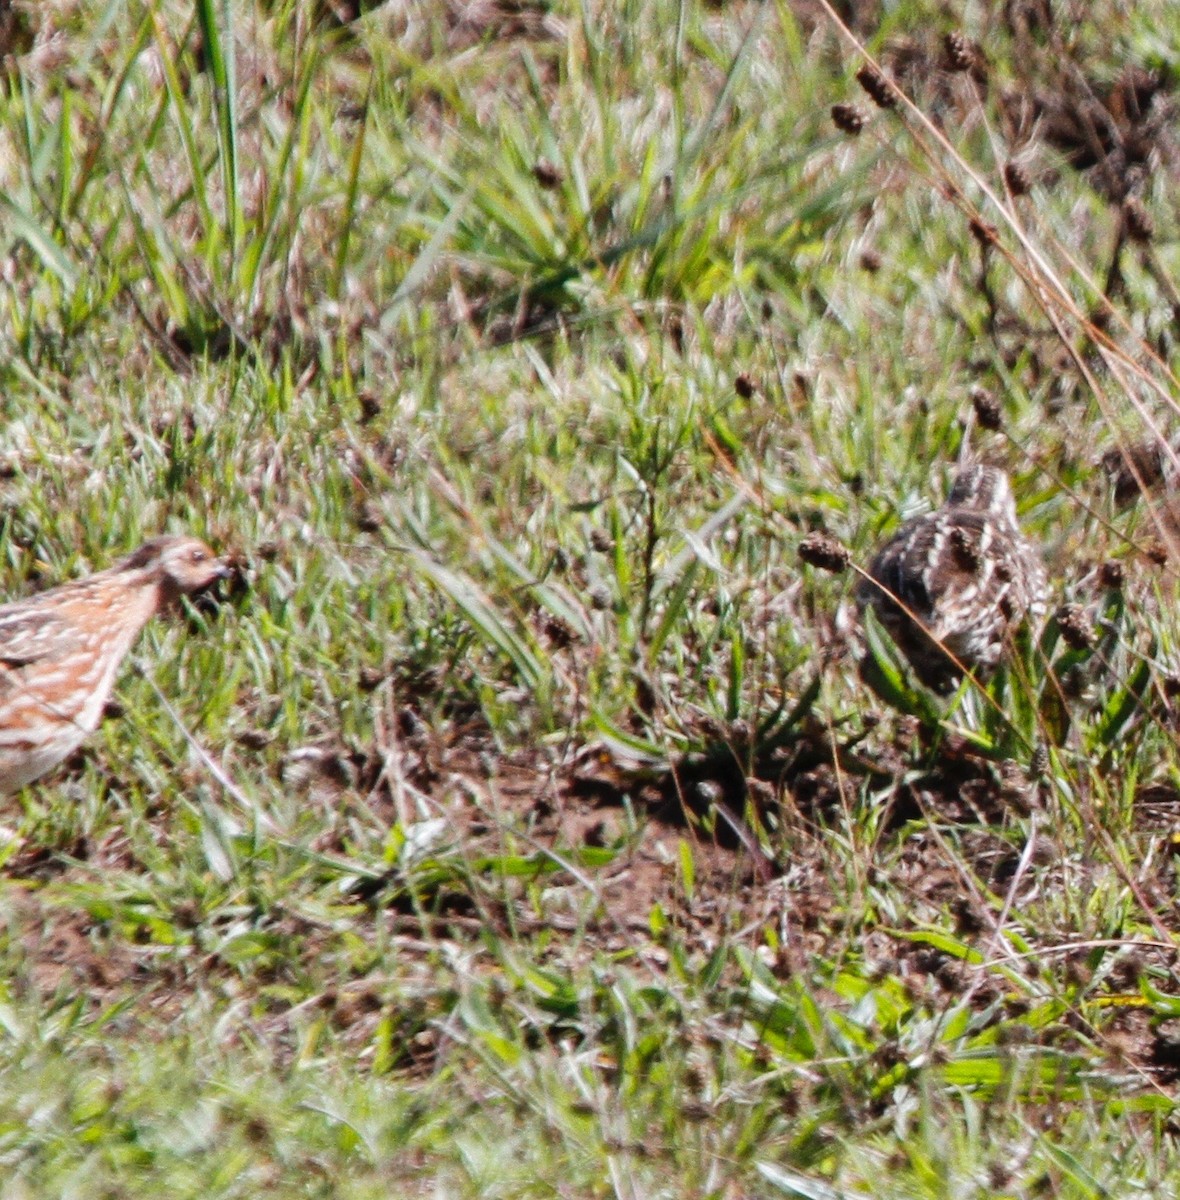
(888, 674)
(475, 605)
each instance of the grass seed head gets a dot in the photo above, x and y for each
(370, 407)
(1077, 630)
(1112, 575)
(1137, 220)
(960, 54)
(1039, 764)
(849, 118)
(1103, 315)
(560, 633)
(825, 552)
(1157, 553)
(600, 598)
(988, 411)
(984, 232)
(1018, 178)
(547, 175)
(369, 679)
(877, 87)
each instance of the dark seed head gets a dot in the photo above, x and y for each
(369, 518)
(601, 541)
(848, 118)
(370, 407)
(960, 54)
(824, 551)
(984, 232)
(1137, 220)
(988, 412)
(744, 386)
(546, 174)
(1111, 574)
(559, 632)
(1077, 631)
(1040, 761)
(1134, 467)
(371, 678)
(1157, 553)
(600, 599)
(1018, 178)
(870, 260)
(876, 85)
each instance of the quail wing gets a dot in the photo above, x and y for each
(30, 636)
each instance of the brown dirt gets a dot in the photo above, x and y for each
(765, 864)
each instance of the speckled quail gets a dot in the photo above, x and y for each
(952, 585)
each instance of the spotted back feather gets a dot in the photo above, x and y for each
(952, 585)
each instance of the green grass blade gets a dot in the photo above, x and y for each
(889, 675)
(425, 262)
(181, 117)
(479, 610)
(41, 242)
(1123, 704)
(356, 158)
(673, 610)
(217, 31)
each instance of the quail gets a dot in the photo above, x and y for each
(951, 585)
(60, 651)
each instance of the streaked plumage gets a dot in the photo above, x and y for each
(965, 573)
(60, 651)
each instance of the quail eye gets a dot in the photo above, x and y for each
(197, 556)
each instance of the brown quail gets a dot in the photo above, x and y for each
(60, 651)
